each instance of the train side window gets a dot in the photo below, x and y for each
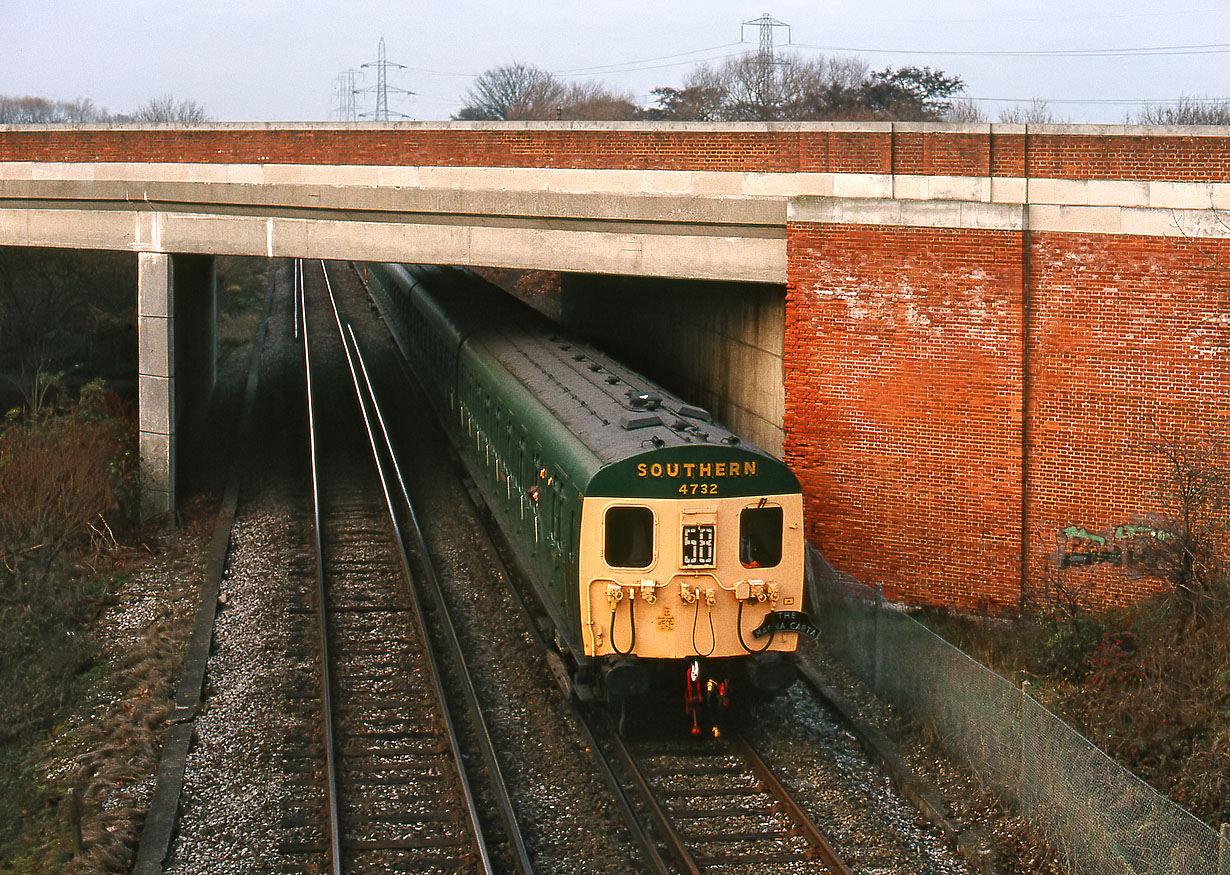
(629, 537)
(760, 537)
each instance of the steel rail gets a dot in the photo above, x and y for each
(335, 840)
(652, 855)
(680, 848)
(365, 395)
(484, 735)
(819, 841)
(420, 617)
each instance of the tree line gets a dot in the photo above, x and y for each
(746, 88)
(787, 88)
(42, 111)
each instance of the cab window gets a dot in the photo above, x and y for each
(760, 537)
(629, 537)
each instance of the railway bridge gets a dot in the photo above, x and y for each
(969, 341)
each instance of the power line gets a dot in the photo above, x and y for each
(1049, 19)
(1142, 52)
(1102, 101)
(609, 68)
(659, 66)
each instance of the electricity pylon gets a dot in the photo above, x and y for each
(383, 88)
(343, 96)
(765, 72)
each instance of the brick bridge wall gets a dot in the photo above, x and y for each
(973, 412)
(961, 402)
(1053, 152)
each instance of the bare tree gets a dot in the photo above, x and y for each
(519, 91)
(166, 109)
(1188, 111)
(1036, 113)
(513, 91)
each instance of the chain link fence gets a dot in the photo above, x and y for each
(1105, 820)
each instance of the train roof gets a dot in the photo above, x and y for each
(613, 410)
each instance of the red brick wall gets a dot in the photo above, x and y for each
(903, 401)
(907, 354)
(873, 149)
(1130, 337)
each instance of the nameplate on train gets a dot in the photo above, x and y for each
(786, 621)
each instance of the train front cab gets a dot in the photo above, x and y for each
(701, 574)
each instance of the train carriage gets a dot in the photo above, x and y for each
(658, 541)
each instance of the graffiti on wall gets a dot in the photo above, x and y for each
(1125, 545)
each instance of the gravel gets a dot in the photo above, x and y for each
(236, 790)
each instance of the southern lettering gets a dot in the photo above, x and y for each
(690, 470)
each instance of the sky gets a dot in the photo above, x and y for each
(279, 60)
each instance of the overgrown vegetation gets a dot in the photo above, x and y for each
(83, 714)
(65, 317)
(68, 485)
(68, 481)
(1149, 684)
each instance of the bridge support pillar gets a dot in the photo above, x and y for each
(176, 363)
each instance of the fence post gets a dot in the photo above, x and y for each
(1023, 780)
(876, 644)
(1223, 851)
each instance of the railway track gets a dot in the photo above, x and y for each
(720, 808)
(398, 793)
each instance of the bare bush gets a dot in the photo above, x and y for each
(1188, 537)
(166, 109)
(60, 476)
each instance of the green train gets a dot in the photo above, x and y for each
(661, 544)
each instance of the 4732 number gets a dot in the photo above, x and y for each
(698, 489)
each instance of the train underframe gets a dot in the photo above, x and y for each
(694, 695)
